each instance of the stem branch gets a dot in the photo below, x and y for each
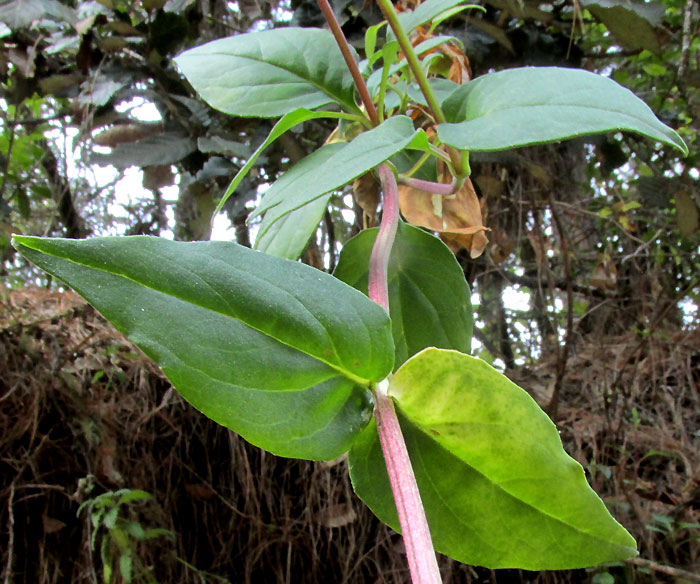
(334, 25)
(431, 187)
(392, 18)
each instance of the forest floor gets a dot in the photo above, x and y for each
(84, 414)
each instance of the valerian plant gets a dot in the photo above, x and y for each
(442, 447)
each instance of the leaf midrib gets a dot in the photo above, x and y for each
(497, 485)
(550, 105)
(354, 378)
(350, 105)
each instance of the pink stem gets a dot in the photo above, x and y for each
(414, 525)
(416, 534)
(430, 187)
(379, 260)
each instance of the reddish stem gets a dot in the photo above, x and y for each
(342, 42)
(416, 534)
(430, 187)
(414, 525)
(379, 260)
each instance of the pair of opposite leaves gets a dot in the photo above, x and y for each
(285, 355)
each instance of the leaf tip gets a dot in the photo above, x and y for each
(19, 241)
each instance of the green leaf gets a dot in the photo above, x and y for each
(498, 489)
(429, 298)
(334, 165)
(632, 23)
(371, 39)
(288, 235)
(270, 73)
(287, 122)
(126, 566)
(110, 518)
(442, 88)
(106, 557)
(425, 12)
(654, 69)
(532, 105)
(135, 530)
(131, 495)
(275, 350)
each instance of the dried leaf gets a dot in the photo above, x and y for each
(366, 191)
(538, 246)
(338, 515)
(501, 247)
(457, 219)
(52, 525)
(156, 177)
(604, 275)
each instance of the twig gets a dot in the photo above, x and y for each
(387, 8)
(11, 534)
(563, 357)
(670, 570)
(330, 234)
(422, 562)
(686, 39)
(334, 25)
(8, 157)
(391, 17)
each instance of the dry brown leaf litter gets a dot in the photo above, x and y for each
(78, 400)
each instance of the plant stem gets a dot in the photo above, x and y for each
(379, 260)
(416, 534)
(430, 187)
(414, 525)
(392, 18)
(334, 25)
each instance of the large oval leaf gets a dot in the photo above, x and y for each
(533, 105)
(498, 489)
(275, 350)
(270, 73)
(429, 299)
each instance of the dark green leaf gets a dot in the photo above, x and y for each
(425, 12)
(532, 105)
(288, 235)
(429, 299)
(334, 165)
(287, 122)
(270, 73)
(278, 351)
(442, 88)
(498, 489)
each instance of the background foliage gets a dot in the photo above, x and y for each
(587, 293)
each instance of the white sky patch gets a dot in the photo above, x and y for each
(516, 299)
